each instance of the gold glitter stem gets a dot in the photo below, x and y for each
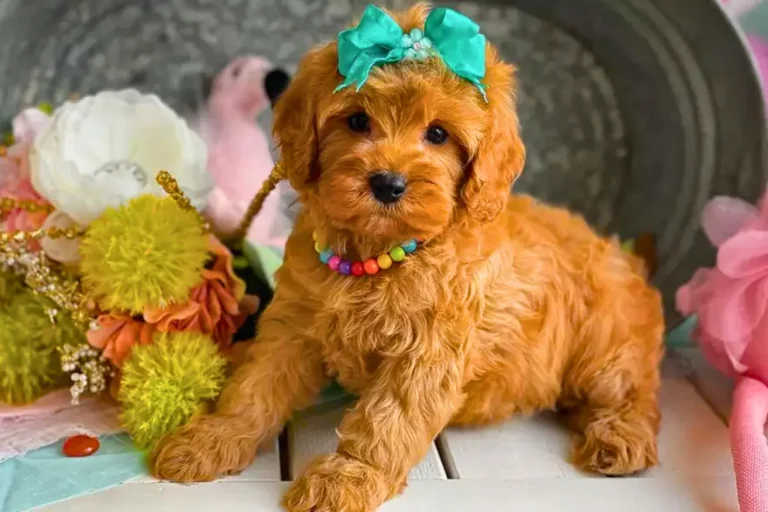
(7, 204)
(21, 237)
(171, 187)
(275, 177)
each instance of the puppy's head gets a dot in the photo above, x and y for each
(416, 149)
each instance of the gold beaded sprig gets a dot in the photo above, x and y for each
(171, 187)
(46, 280)
(276, 176)
(7, 204)
(22, 237)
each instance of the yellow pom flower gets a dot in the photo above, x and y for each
(146, 254)
(164, 383)
(30, 338)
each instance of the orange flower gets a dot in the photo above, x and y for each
(218, 306)
(117, 334)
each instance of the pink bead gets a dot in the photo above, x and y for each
(333, 263)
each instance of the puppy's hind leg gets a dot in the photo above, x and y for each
(611, 389)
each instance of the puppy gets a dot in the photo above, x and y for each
(508, 306)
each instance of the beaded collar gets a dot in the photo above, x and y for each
(370, 266)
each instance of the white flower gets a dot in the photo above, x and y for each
(105, 149)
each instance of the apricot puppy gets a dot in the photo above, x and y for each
(507, 305)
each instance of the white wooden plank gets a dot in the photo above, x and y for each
(541, 495)
(266, 468)
(693, 441)
(313, 432)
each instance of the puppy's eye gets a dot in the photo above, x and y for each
(358, 122)
(436, 135)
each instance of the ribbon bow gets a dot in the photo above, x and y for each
(379, 40)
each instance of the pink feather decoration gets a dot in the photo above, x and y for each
(731, 304)
(239, 157)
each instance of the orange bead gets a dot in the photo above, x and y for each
(80, 446)
(371, 267)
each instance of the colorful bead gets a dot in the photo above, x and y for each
(397, 254)
(384, 261)
(409, 246)
(326, 256)
(359, 268)
(371, 267)
(80, 446)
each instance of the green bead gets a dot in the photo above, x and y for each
(397, 254)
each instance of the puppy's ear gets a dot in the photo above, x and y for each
(295, 121)
(500, 157)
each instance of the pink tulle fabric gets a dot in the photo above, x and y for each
(730, 302)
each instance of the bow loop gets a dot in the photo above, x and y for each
(379, 40)
(375, 41)
(460, 44)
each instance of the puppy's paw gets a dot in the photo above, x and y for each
(619, 450)
(334, 483)
(206, 448)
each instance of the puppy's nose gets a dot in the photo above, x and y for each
(387, 186)
(275, 84)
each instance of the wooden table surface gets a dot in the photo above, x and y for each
(521, 465)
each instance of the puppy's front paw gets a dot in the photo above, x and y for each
(334, 483)
(208, 447)
(619, 450)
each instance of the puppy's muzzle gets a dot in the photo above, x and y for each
(388, 186)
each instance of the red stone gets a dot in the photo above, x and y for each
(357, 269)
(80, 446)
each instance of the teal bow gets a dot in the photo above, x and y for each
(379, 40)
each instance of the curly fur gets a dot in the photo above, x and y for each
(510, 306)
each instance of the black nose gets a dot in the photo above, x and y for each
(387, 186)
(275, 84)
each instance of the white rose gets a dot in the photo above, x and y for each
(105, 149)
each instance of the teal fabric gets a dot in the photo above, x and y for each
(680, 336)
(379, 40)
(46, 476)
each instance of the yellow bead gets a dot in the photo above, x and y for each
(314, 236)
(318, 247)
(397, 253)
(384, 261)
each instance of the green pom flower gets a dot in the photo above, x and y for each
(30, 338)
(146, 254)
(164, 383)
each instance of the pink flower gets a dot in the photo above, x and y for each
(731, 300)
(14, 172)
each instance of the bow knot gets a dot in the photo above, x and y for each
(379, 40)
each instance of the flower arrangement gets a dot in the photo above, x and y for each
(109, 276)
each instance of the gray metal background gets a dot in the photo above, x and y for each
(634, 112)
